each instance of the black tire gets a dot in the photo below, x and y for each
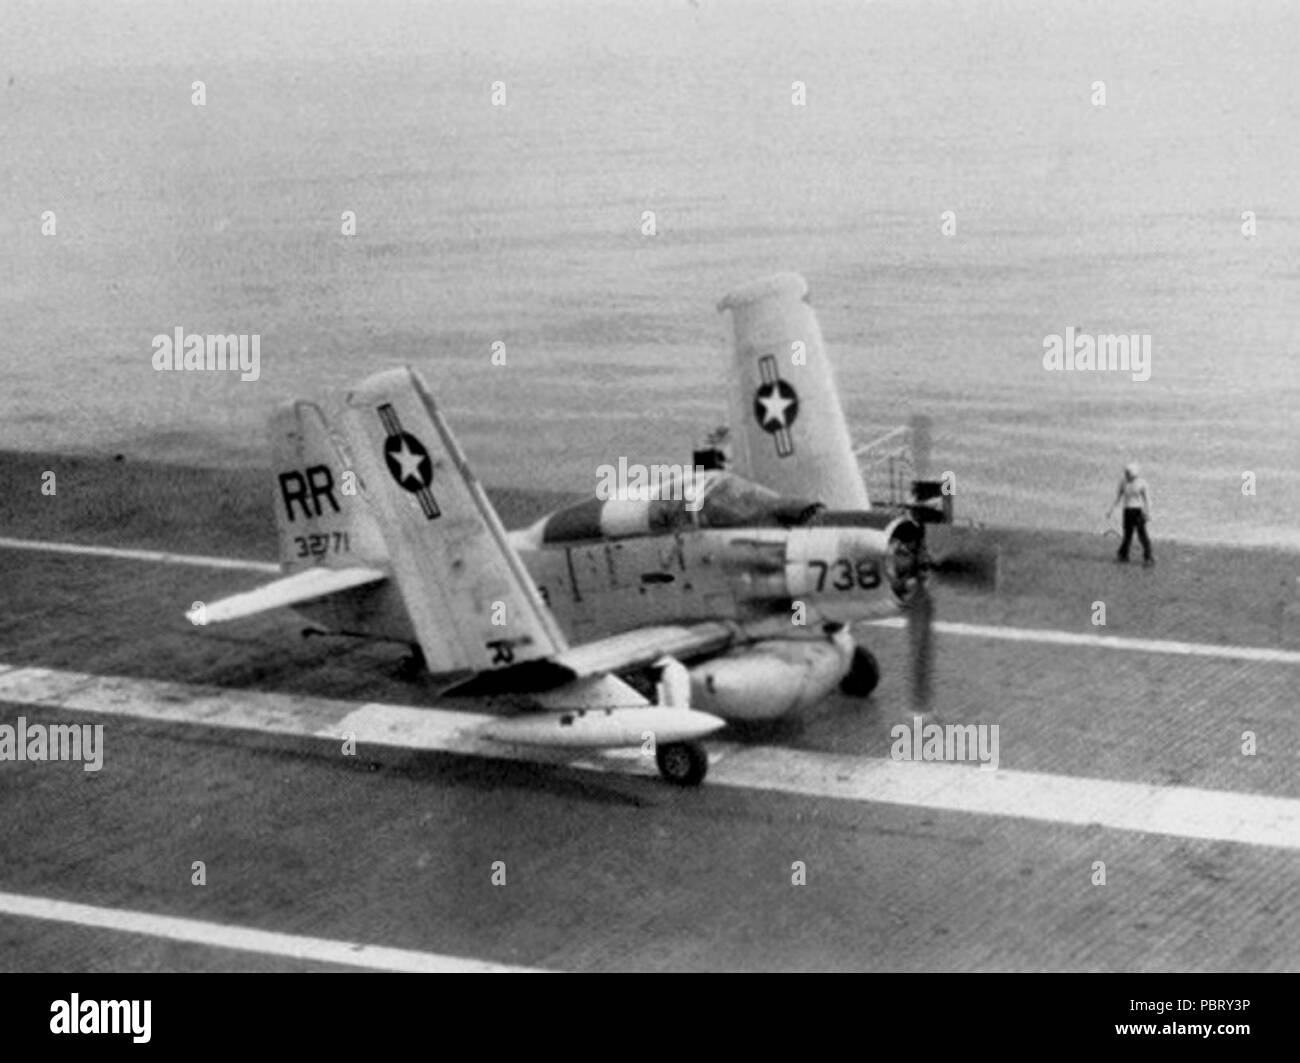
(863, 675)
(682, 763)
(412, 667)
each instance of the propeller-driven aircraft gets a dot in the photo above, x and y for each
(424, 543)
(731, 590)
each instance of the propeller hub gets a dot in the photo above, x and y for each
(905, 560)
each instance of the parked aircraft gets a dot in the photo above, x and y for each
(754, 585)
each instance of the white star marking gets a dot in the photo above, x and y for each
(774, 407)
(409, 462)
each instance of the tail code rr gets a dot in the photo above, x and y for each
(295, 487)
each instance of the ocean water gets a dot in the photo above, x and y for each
(522, 224)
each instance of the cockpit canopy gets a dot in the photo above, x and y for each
(679, 500)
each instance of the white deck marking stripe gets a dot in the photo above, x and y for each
(1105, 642)
(157, 556)
(1178, 811)
(394, 726)
(246, 939)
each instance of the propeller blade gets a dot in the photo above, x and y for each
(920, 428)
(964, 557)
(920, 638)
(975, 568)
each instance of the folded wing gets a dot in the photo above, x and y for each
(789, 429)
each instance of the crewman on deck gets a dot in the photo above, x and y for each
(1136, 498)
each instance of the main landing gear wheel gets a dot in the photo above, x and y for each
(683, 763)
(863, 675)
(412, 667)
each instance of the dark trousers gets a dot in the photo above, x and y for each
(1135, 521)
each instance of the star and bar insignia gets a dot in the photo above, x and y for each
(408, 462)
(775, 406)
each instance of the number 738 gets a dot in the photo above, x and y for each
(845, 575)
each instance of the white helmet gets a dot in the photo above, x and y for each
(1131, 470)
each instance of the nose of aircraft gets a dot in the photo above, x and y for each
(892, 558)
(905, 561)
(852, 563)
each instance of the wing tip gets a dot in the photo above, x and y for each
(385, 381)
(779, 285)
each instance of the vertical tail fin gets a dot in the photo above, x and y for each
(320, 517)
(471, 601)
(789, 429)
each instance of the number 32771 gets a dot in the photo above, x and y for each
(322, 544)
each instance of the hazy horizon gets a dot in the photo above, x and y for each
(521, 224)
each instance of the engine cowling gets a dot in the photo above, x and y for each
(843, 567)
(771, 679)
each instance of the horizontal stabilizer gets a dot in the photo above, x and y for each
(303, 586)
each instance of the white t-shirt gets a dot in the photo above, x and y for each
(1134, 493)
